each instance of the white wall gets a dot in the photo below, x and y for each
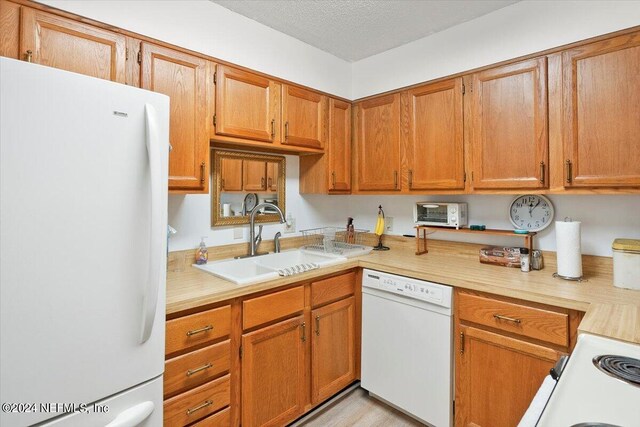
(208, 28)
(519, 29)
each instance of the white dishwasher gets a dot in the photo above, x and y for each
(407, 345)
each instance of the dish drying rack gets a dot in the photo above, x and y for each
(334, 240)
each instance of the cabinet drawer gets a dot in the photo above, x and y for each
(537, 323)
(277, 305)
(195, 404)
(219, 419)
(192, 369)
(199, 328)
(332, 289)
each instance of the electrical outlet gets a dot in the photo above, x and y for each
(290, 225)
(388, 224)
(238, 232)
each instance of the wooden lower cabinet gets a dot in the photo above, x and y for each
(273, 365)
(497, 377)
(333, 353)
(503, 350)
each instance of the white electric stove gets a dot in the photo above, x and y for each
(587, 396)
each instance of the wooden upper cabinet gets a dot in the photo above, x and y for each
(254, 175)
(378, 143)
(273, 368)
(304, 116)
(247, 105)
(333, 354)
(435, 148)
(231, 174)
(58, 42)
(601, 85)
(338, 149)
(10, 29)
(183, 78)
(272, 176)
(509, 135)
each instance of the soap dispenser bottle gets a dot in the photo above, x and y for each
(202, 255)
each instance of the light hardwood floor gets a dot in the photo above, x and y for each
(357, 409)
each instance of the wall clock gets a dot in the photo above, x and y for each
(531, 212)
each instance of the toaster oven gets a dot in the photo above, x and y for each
(440, 214)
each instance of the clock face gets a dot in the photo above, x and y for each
(531, 212)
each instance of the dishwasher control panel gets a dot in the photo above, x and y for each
(434, 293)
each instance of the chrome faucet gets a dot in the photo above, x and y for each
(254, 240)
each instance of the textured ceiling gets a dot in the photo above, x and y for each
(356, 29)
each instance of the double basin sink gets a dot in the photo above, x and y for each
(260, 268)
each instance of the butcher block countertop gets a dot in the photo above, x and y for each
(610, 311)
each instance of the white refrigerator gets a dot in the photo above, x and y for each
(83, 218)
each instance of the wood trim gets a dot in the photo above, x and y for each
(217, 155)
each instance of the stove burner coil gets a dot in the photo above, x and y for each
(623, 368)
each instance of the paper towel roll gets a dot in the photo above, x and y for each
(226, 209)
(569, 252)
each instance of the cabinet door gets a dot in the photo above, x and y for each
(601, 83)
(183, 78)
(255, 174)
(509, 135)
(338, 150)
(378, 143)
(273, 365)
(231, 174)
(272, 176)
(497, 377)
(57, 42)
(10, 29)
(304, 116)
(333, 361)
(435, 151)
(246, 105)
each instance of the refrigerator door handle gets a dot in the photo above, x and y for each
(134, 415)
(157, 232)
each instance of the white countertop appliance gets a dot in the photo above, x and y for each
(600, 386)
(83, 193)
(407, 345)
(440, 214)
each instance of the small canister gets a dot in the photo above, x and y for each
(626, 263)
(537, 263)
(524, 260)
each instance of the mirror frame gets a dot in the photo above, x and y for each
(217, 219)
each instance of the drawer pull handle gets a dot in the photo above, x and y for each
(201, 406)
(507, 318)
(199, 331)
(304, 331)
(273, 128)
(196, 370)
(318, 325)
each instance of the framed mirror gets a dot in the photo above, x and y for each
(241, 181)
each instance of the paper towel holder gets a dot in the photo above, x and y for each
(573, 279)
